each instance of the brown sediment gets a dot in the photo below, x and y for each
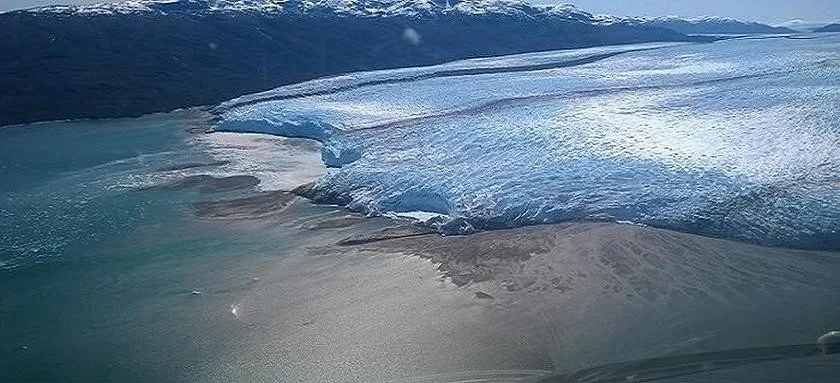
(388, 233)
(573, 258)
(333, 222)
(483, 295)
(558, 296)
(210, 184)
(465, 259)
(306, 190)
(258, 206)
(200, 129)
(192, 165)
(647, 263)
(204, 122)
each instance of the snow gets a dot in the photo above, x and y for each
(665, 20)
(125, 7)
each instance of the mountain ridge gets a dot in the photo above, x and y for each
(353, 8)
(401, 8)
(829, 28)
(706, 25)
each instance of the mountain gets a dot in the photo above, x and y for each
(801, 25)
(142, 56)
(829, 28)
(704, 25)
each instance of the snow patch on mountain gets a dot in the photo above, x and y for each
(125, 7)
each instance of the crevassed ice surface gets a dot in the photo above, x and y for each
(739, 138)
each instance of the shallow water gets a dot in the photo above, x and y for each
(67, 185)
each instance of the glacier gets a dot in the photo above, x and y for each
(737, 139)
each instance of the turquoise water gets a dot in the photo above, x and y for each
(97, 272)
(68, 186)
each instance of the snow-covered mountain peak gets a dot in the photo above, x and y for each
(172, 6)
(354, 8)
(123, 7)
(692, 25)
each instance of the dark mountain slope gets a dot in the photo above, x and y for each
(828, 28)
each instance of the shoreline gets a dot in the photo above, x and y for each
(202, 111)
(461, 257)
(265, 203)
